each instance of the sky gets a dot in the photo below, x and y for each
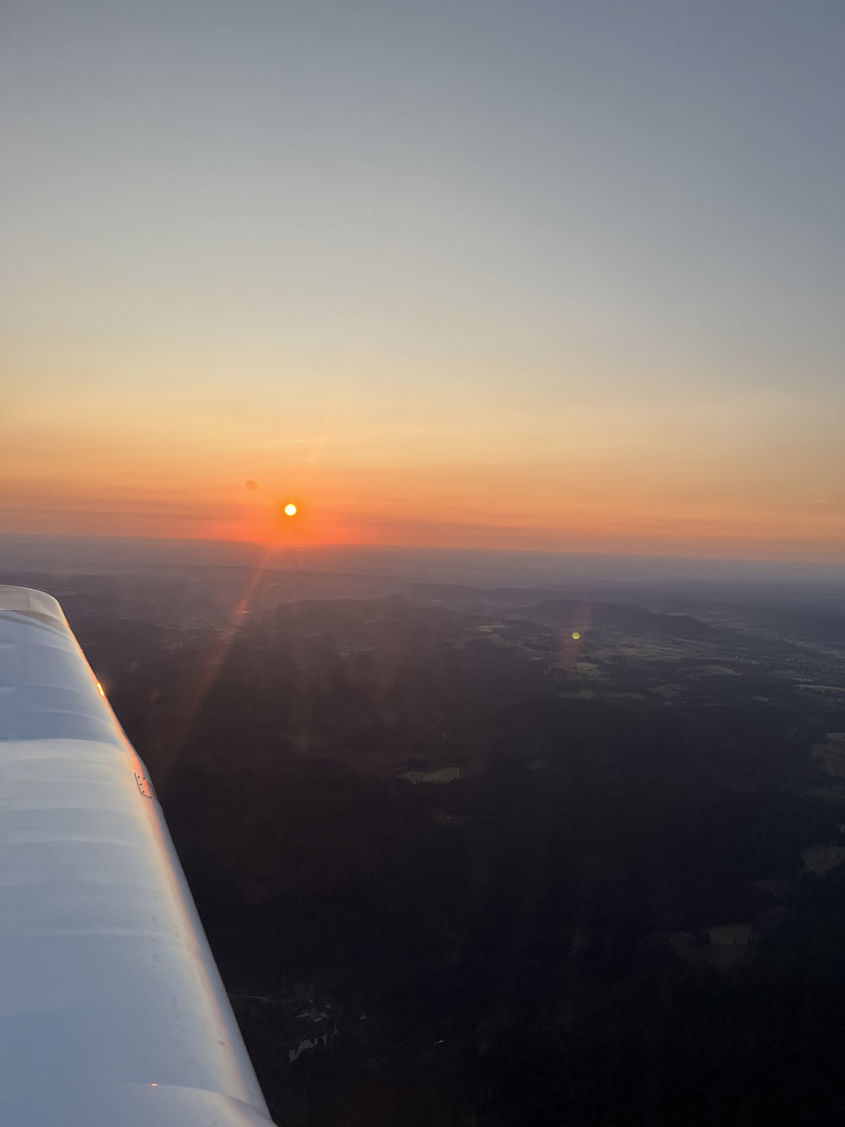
(528, 275)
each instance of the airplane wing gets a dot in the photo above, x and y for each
(112, 1012)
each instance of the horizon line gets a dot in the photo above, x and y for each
(303, 549)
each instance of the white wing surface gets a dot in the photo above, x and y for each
(112, 1012)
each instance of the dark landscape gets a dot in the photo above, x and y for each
(492, 854)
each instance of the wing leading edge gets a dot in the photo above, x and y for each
(111, 1006)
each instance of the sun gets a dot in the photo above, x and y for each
(289, 509)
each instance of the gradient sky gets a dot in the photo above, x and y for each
(563, 275)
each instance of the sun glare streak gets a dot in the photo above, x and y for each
(207, 674)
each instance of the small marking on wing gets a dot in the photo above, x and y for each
(143, 785)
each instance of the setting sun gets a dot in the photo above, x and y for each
(290, 510)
